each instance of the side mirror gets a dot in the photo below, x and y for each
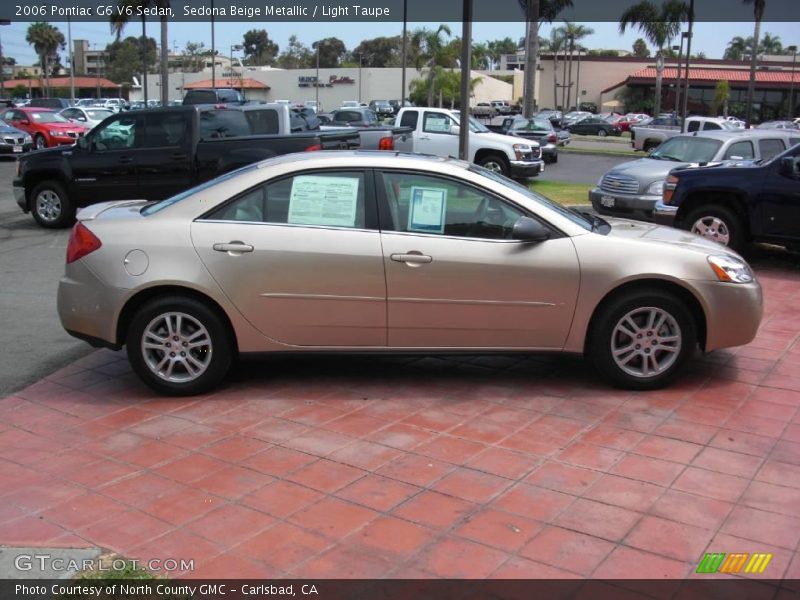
(83, 143)
(455, 130)
(529, 230)
(787, 166)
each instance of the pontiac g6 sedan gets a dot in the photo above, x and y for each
(378, 252)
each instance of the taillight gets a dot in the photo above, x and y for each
(81, 242)
(386, 143)
(552, 138)
(314, 148)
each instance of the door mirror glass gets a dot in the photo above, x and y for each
(788, 167)
(529, 230)
(455, 130)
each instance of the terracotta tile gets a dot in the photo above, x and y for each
(236, 448)
(713, 485)
(355, 425)
(312, 414)
(103, 471)
(774, 498)
(471, 485)
(754, 424)
(160, 426)
(792, 433)
(778, 396)
(508, 416)
(233, 566)
(668, 449)
(177, 543)
(149, 454)
(344, 562)
(651, 470)
(761, 526)
(326, 475)
(278, 461)
(30, 531)
(691, 509)
(600, 520)
(319, 442)
(459, 558)
(499, 529)
(276, 430)
(746, 443)
(526, 442)
(283, 546)
(687, 431)
(81, 511)
(786, 451)
(768, 410)
(669, 538)
(612, 437)
(563, 478)
(190, 468)
(434, 509)
(556, 426)
(702, 415)
(377, 493)
(230, 524)
(401, 436)
(415, 469)
(333, 517)
(392, 538)
(630, 563)
(181, 506)
(724, 461)
(522, 568)
(502, 462)
(533, 502)
(568, 550)
(124, 531)
(195, 436)
(635, 421)
(590, 456)
(140, 489)
(281, 498)
(435, 420)
(233, 482)
(365, 455)
(781, 473)
(627, 493)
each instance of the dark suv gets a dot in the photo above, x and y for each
(53, 103)
(213, 96)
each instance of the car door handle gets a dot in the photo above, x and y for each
(179, 156)
(125, 159)
(233, 247)
(412, 258)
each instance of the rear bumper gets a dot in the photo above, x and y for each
(664, 214)
(639, 206)
(526, 168)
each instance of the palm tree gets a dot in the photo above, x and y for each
(432, 51)
(659, 24)
(758, 14)
(574, 33)
(122, 17)
(738, 48)
(46, 41)
(770, 44)
(555, 44)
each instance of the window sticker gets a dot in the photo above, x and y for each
(320, 200)
(437, 124)
(426, 209)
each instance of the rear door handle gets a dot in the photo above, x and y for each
(412, 259)
(233, 247)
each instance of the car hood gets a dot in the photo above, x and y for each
(646, 169)
(657, 234)
(499, 138)
(12, 131)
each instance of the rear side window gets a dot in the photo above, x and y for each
(410, 119)
(742, 150)
(708, 125)
(693, 126)
(229, 96)
(262, 121)
(347, 116)
(218, 124)
(770, 148)
(200, 97)
(165, 129)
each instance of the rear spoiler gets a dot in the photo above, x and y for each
(92, 211)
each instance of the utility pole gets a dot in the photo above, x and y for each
(316, 83)
(403, 57)
(685, 99)
(790, 110)
(144, 60)
(466, 71)
(359, 79)
(213, 51)
(71, 63)
(2, 65)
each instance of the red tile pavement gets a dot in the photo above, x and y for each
(407, 467)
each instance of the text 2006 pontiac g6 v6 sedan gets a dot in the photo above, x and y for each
(378, 252)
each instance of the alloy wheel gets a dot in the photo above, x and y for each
(712, 228)
(176, 347)
(646, 342)
(48, 206)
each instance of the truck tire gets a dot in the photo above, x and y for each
(717, 223)
(650, 145)
(496, 163)
(51, 206)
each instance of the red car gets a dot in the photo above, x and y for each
(47, 127)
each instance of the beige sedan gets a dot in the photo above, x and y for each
(379, 252)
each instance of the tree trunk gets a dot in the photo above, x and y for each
(165, 64)
(46, 75)
(569, 83)
(751, 86)
(432, 83)
(564, 106)
(659, 77)
(555, 79)
(531, 59)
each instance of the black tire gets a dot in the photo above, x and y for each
(650, 145)
(602, 132)
(51, 206)
(554, 159)
(603, 336)
(722, 223)
(222, 348)
(497, 163)
(39, 141)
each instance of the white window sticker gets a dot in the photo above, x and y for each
(320, 200)
(426, 209)
(437, 124)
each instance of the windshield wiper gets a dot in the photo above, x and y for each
(589, 218)
(668, 157)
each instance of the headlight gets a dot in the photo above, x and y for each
(57, 133)
(655, 189)
(730, 269)
(520, 150)
(27, 139)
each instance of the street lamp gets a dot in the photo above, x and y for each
(2, 66)
(359, 79)
(790, 111)
(237, 48)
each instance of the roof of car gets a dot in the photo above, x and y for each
(725, 135)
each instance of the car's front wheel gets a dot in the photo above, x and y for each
(51, 206)
(718, 224)
(602, 132)
(641, 339)
(39, 141)
(179, 346)
(496, 163)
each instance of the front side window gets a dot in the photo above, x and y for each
(316, 199)
(425, 204)
(437, 123)
(119, 134)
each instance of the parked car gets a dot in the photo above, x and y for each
(435, 131)
(153, 154)
(736, 203)
(350, 104)
(397, 104)
(539, 130)
(624, 122)
(382, 108)
(213, 96)
(735, 120)
(554, 116)
(112, 104)
(356, 116)
(502, 107)
(324, 119)
(52, 103)
(484, 110)
(88, 117)
(632, 189)
(14, 140)
(46, 127)
(649, 136)
(594, 126)
(778, 125)
(573, 117)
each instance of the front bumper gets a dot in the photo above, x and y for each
(609, 203)
(20, 198)
(526, 168)
(9, 148)
(733, 312)
(550, 150)
(664, 214)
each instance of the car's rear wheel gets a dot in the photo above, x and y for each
(641, 339)
(51, 206)
(650, 145)
(179, 346)
(718, 224)
(496, 163)
(39, 141)
(602, 132)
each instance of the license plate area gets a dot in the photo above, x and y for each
(607, 201)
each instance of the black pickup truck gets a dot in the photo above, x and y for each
(150, 155)
(735, 203)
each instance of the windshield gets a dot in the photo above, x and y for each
(573, 216)
(98, 115)
(687, 149)
(48, 117)
(532, 125)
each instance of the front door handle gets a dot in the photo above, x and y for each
(233, 247)
(412, 259)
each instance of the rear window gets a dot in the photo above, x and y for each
(200, 97)
(770, 148)
(218, 124)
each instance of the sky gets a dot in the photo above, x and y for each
(710, 38)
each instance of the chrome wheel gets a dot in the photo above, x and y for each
(48, 206)
(712, 228)
(646, 342)
(40, 142)
(176, 347)
(494, 166)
